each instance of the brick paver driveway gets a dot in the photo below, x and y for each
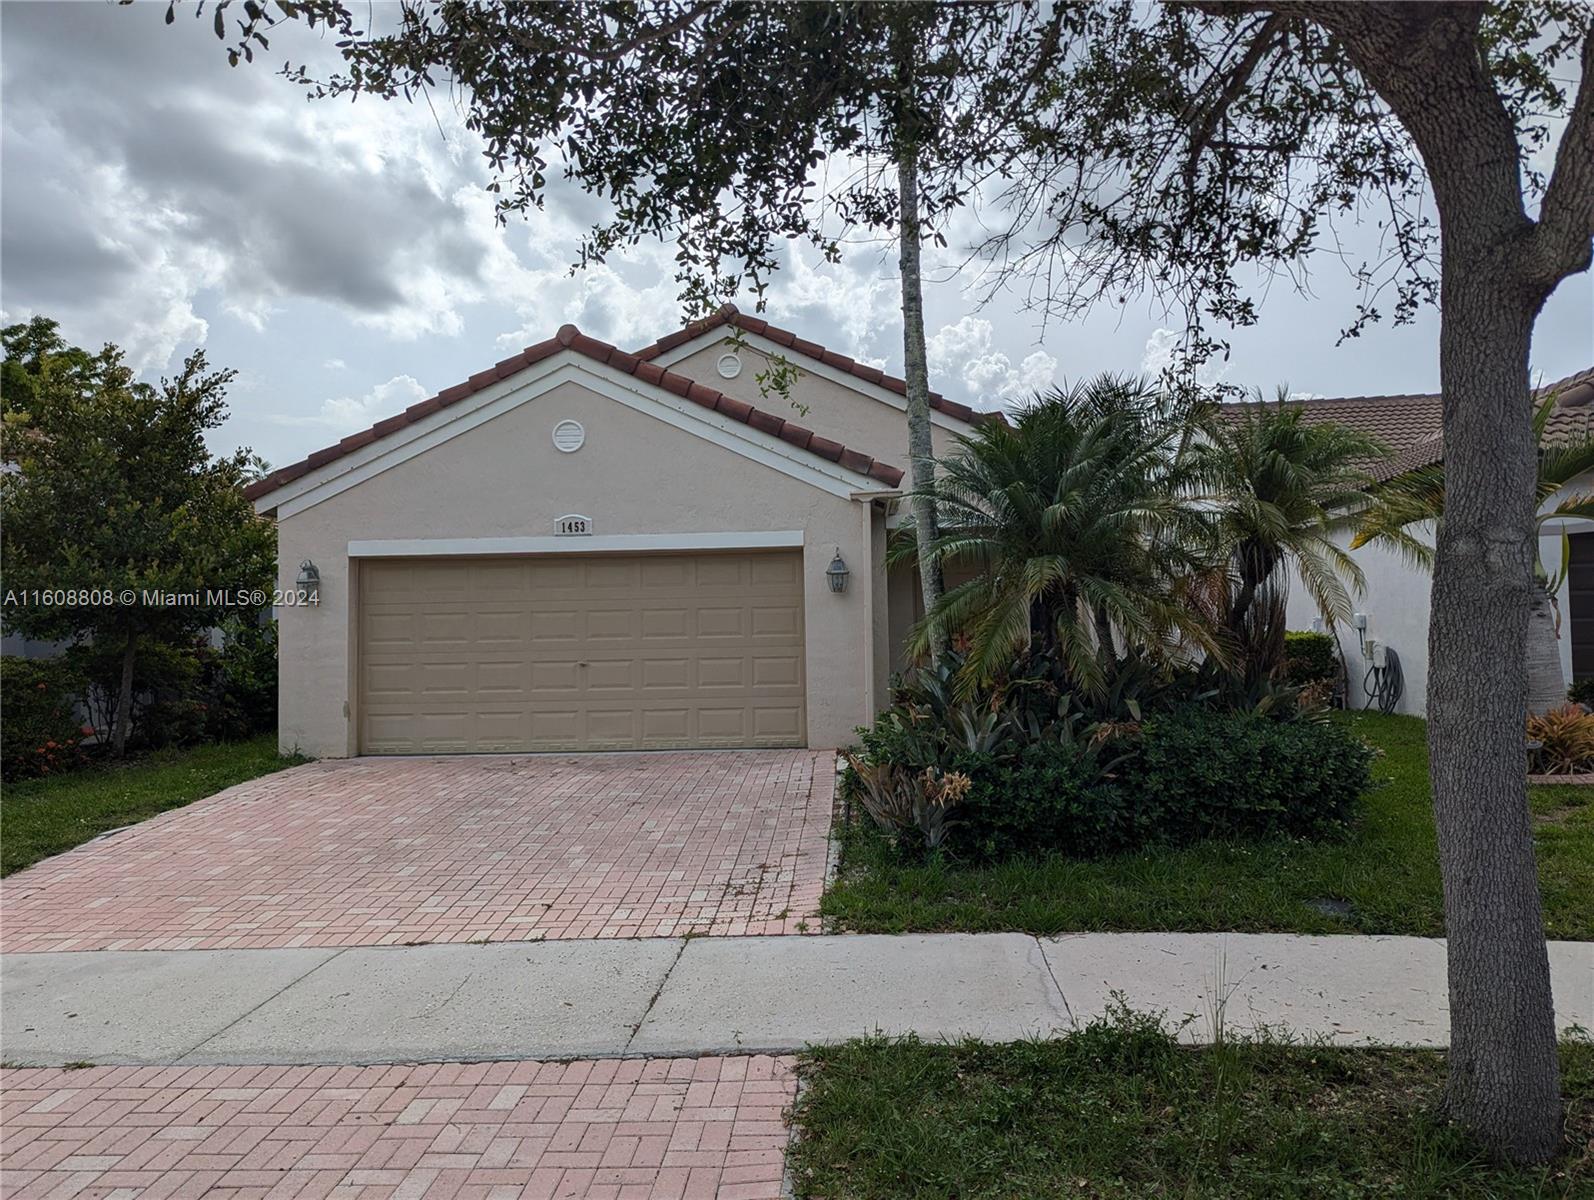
(669, 1129)
(386, 851)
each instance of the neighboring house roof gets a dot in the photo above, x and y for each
(571, 338)
(1412, 426)
(729, 314)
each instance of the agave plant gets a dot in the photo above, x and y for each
(1079, 519)
(1280, 488)
(1403, 509)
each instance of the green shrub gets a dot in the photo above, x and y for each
(167, 706)
(1582, 692)
(239, 681)
(1310, 658)
(1169, 759)
(1047, 796)
(42, 732)
(1198, 773)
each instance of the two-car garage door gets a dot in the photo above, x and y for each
(565, 652)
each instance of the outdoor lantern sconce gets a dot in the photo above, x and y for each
(836, 573)
(309, 582)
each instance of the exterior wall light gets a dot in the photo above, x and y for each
(836, 574)
(309, 582)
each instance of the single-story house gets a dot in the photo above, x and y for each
(1396, 600)
(582, 548)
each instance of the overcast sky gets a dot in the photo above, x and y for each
(344, 257)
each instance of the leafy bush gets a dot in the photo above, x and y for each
(1199, 773)
(1567, 737)
(189, 693)
(1049, 795)
(239, 681)
(1582, 692)
(1310, 658)
(1158, 758)
(167, 708)
(43, 732)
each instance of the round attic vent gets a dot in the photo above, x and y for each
(729, 365)
(569, 436)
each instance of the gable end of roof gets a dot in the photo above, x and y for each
(730, 315)
(572, 339)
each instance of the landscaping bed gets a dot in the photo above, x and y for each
(1121, 1110)
(41, 817)
(1380, 875)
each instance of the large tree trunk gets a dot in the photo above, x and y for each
(124, 699)
(1546, 680)
(1497, 269)
(916, 371)
(1503, 1079)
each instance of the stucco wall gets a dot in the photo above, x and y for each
(1396, 601)
(635, 474)
(842, 413)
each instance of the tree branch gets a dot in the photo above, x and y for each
(1204, 123)
(1563, 241)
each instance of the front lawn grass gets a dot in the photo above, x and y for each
(41, 817)
(1383, 877)
(1120, 1110)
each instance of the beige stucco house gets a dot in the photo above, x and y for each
(582, 548)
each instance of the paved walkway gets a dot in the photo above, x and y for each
(717, 995)
(661, 1130)
(390, 851)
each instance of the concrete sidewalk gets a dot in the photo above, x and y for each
(652, 997)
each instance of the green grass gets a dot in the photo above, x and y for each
(1120, 1110)
(41, 817)
(1386, 869)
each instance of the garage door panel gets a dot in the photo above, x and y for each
(556, 625)
(611, 625)
(721, 622)
(782, 621)
(617, 675)
(722, 672)
(664, 674)
(777, 726)
(554, 677)
(640, 652)
(782, 572)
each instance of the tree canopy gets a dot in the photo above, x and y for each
(112, 500)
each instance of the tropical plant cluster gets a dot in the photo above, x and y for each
(1032, 765)
(1124, 675)
(1563, 740)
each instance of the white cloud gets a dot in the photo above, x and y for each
(964, 352)
(335, 364)
(1162, 354)
(349, 414)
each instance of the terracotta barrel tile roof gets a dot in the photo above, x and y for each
(729, 314)
(1412, 425)
(571, 338)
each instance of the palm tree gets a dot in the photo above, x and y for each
(1078, 517)
(1414, 501)
(1279, 488)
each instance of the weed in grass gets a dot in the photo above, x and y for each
(1120, 1109)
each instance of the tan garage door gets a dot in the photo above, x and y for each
(581, 653)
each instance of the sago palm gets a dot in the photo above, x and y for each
(1279, 488)
(1077, 522)
(1412, 504)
